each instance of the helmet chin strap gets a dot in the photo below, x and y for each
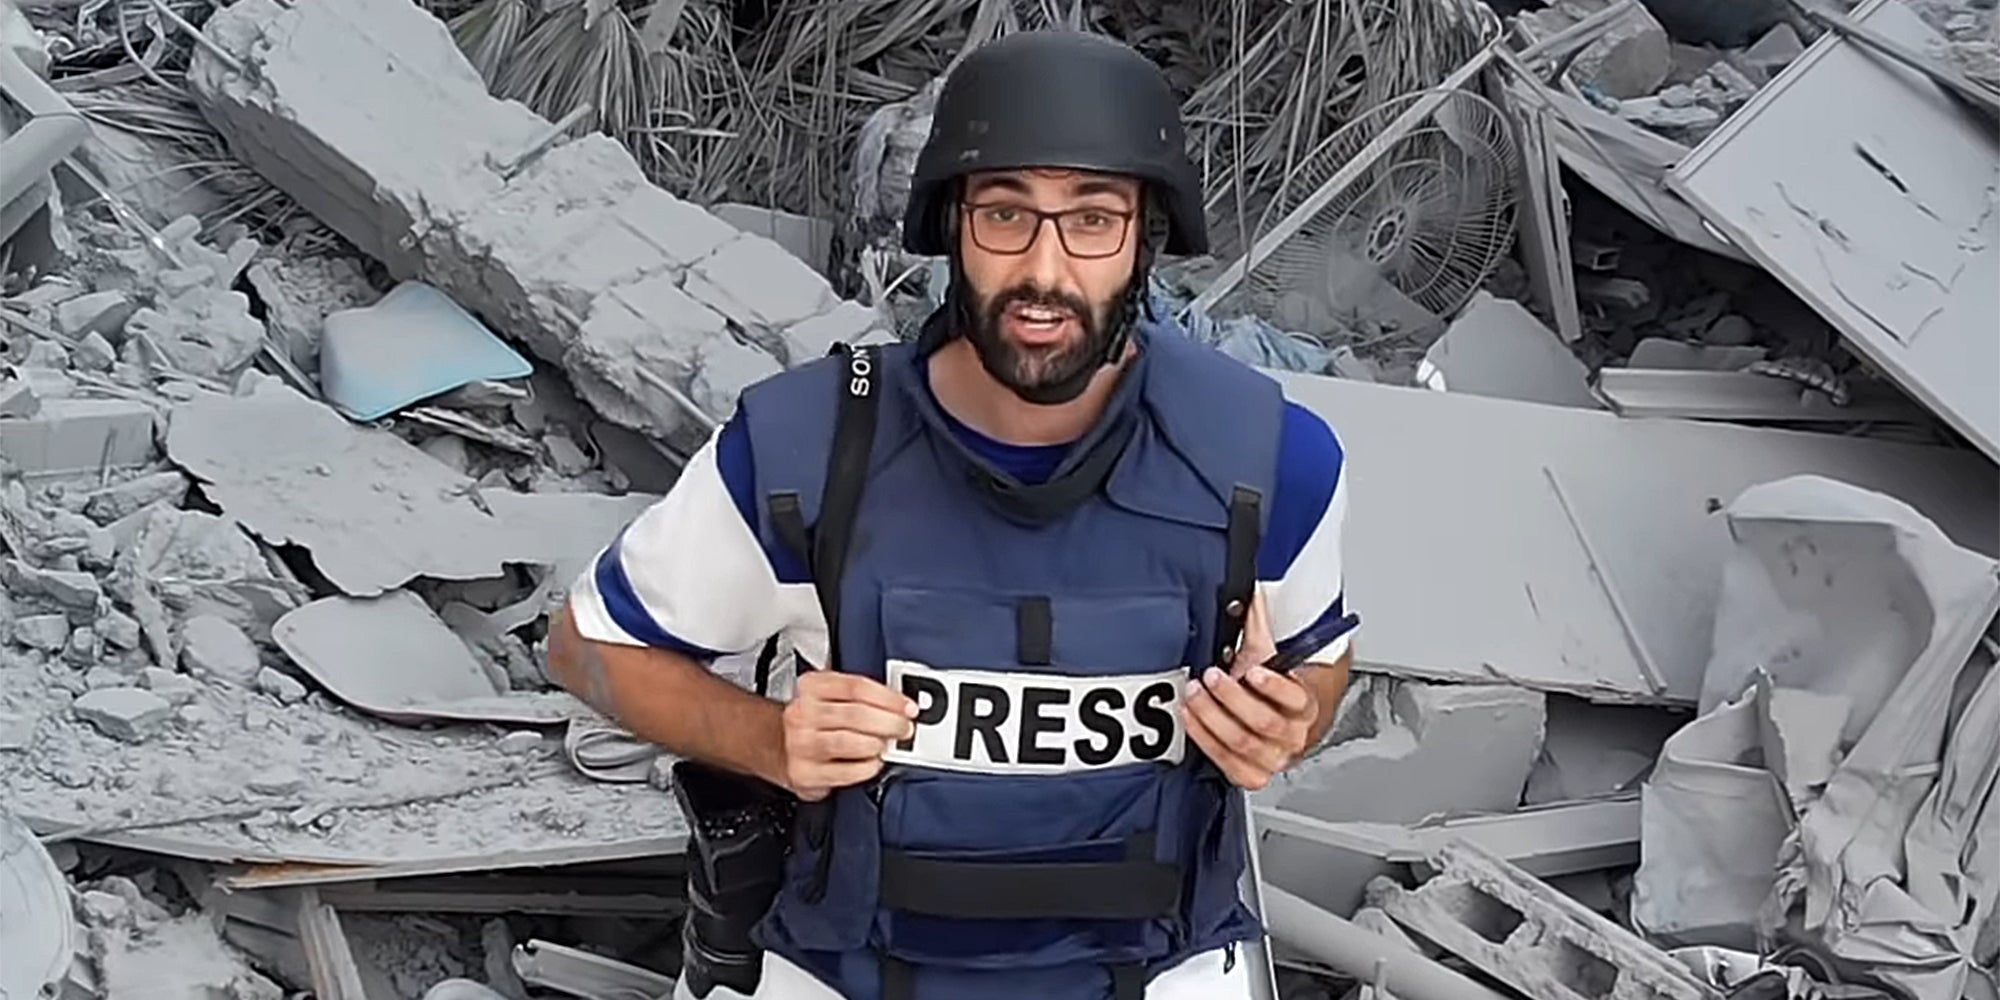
(1125, 312)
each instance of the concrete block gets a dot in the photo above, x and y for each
(1630, 58)
(1435, 750)
(47, 633)
(77, 591)
(77, 435)
(281, 686)
(808, 239)
(123, 713)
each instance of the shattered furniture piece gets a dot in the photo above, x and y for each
(1882, 218)
(368, 114)
(1530, 936)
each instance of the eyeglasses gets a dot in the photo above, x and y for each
(1086, 233)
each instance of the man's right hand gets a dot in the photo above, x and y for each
(837, 728)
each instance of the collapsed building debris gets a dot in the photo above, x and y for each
(1647, 706)
(658, 311)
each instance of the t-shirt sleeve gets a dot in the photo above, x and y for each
(1299, 562)
(689, 573)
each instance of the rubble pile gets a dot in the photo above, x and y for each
(1676, 541)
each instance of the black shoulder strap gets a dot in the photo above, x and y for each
(825, 547)
(1239, 572)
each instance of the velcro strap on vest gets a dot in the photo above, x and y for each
(986, 890)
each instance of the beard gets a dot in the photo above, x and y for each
(1044, 374)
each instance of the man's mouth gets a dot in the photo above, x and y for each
(1037, 322)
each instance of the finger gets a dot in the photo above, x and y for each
(828, 746)
(1239, 772)
(1288, 696)
(1249, 709)
(836, 686)
(1238, 738)
(1256, 644)
(839, 774)
(857, 717)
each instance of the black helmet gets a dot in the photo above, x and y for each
(1056, 99)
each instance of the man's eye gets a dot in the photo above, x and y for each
(1003, 215)
(1095, 220)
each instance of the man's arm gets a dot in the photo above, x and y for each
(687, 584)
(1300, 565)
(668, 698)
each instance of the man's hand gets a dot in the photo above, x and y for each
(1251, 721)
(836, 729)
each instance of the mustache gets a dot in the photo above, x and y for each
(1047, 298)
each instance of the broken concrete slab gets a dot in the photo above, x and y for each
(1497, 348)
(540, 247)
(38, 934)
(1546, 841)
(1899, 250)
(79, 435)
(374, 510)
(393, 657)
(1565, 496)
(1629, 57)
(1437, 750)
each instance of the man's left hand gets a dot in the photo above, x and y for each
(1252, 721)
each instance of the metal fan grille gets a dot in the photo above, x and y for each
(1431, 217)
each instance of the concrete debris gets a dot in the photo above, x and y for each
(1629, 57)
(1534, 939)
(283, 511)
(648, 303)
(124, 713)
(1583, 511)
(1498, 348)
(1899, 250)
(392, 656)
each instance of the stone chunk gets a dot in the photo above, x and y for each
(102, 313)
(213, 646)
(18, 399)
(123, 713)
(119, 499)
(78, 435)
(281, 686)
(47, 633)
(177, 689)
(73, 589)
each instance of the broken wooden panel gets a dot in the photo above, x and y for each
(1481, 528)
(1882, 218)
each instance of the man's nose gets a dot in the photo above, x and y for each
(1047, 260)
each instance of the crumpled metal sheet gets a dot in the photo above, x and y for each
(37, 926)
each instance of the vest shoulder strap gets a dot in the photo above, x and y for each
(823, 538)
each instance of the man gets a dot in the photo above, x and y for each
(1022, 772)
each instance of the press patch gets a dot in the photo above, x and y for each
(998, 722)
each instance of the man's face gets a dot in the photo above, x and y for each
(1043, 313)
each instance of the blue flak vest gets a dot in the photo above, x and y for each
(1075, 843)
